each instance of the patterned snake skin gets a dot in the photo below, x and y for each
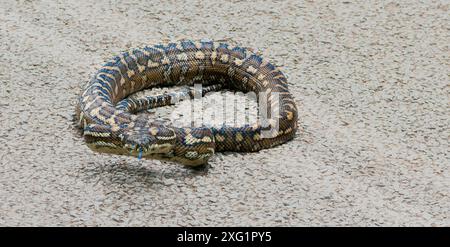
(109, 123)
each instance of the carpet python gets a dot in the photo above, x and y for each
(109, 119)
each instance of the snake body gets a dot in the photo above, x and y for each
(109, 123)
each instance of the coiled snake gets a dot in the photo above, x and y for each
(109, 123)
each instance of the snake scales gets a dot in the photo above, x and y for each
(109, 123)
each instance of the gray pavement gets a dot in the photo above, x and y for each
(371, 81)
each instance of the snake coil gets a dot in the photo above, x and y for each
(109, 123)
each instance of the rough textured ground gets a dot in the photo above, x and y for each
(371, 82)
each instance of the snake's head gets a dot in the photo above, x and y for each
(148, 141)
(144, 142)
